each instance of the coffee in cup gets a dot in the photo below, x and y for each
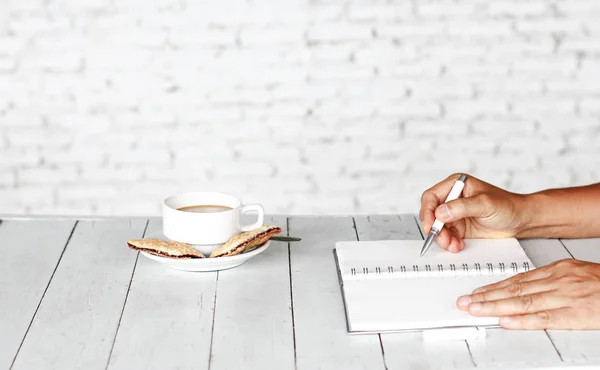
(204, 208)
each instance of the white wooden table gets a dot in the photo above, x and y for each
(73, 296)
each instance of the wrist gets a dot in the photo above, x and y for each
(530, 213)
(544, 216)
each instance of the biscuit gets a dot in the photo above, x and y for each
(165, 249)
(245, 241)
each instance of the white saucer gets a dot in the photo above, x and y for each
(204, 264)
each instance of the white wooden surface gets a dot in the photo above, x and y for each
(253, 322)
(29, 253)
(106, 308)
(321, 339)
(75, 325)
(584, 249)
(543, 252)
(513, 348)
(167, 320)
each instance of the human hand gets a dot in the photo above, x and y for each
(483, 211)
(562, 295)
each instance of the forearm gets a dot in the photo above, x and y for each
(562, 213)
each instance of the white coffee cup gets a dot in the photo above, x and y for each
(206, 231)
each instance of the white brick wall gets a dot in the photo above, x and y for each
(340, 106)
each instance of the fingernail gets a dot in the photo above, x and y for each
(444, 211)
(463, 302)
(479, 290)
(475, 307)
(505, 320)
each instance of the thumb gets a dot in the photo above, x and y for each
(477, 206)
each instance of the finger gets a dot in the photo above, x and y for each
(455, 240)
(528, 303)
(462, 244)
(510, 291)
(522, 277)
(476, 206)
(460, 232)
(444, 238)
(454, 246)
(515, 290)
(432, 198)
(421, 211)
(428, 204)
(560, 318)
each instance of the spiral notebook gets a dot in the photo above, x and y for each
(388, 287)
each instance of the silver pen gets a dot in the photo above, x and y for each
(437, 225)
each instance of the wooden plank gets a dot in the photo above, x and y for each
(510, 348)
(167, 319)
(577, 345)
(592, 365)
(253, 326)
(408, 350)
(77, 320)
(543, 252)
(322, 341)
(53, 217)
(30, 251)
(387, 227)
(584, 249)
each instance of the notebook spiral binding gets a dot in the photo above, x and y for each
(476, 269)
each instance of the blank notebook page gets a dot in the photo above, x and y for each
(387, 286)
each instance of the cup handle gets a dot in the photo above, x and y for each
(260, 219)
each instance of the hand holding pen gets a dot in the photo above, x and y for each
(483, 211)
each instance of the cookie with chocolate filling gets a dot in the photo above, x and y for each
(163, 248)
(245, 241)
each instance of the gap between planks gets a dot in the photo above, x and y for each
(567, 249)
(287, 225)
(112, 347)
(212, 330)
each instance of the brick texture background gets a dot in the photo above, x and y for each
(340, 106)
